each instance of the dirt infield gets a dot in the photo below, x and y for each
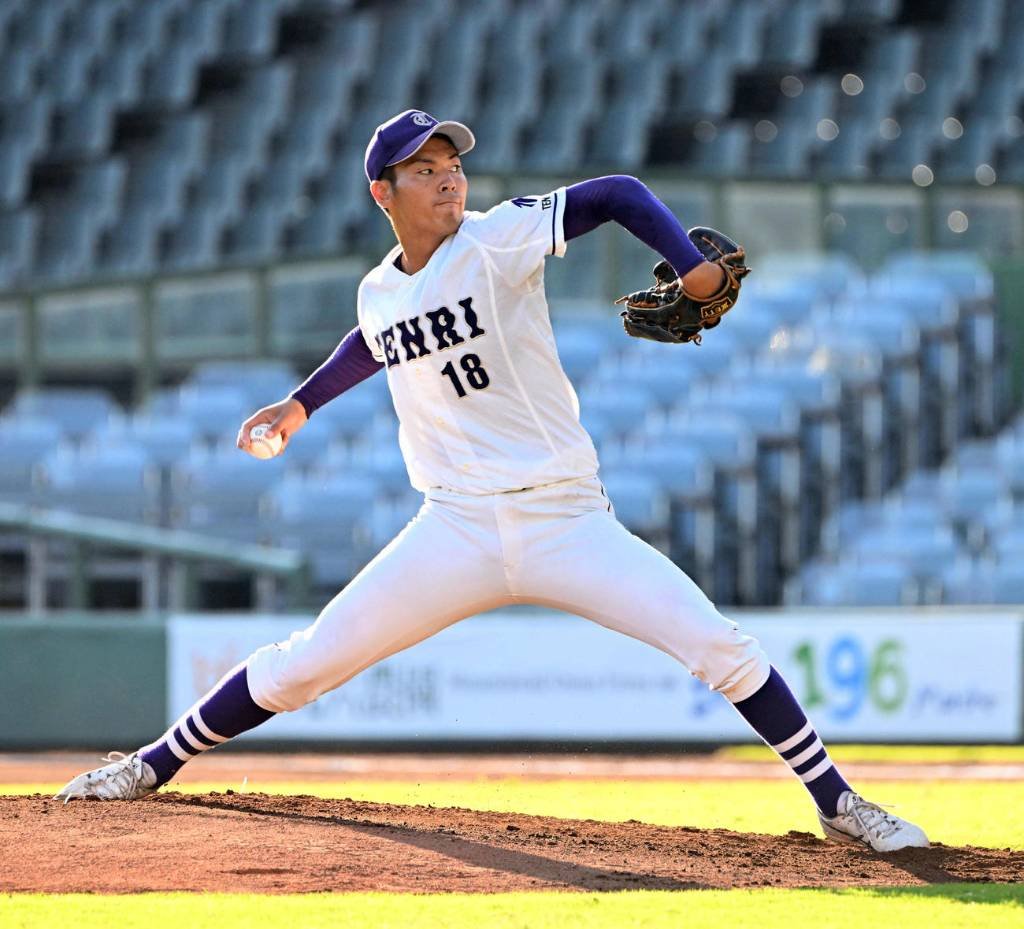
(273, 844)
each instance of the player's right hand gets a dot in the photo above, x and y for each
(285, 419)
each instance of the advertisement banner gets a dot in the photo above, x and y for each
(873, 676)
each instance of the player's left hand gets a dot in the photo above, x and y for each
(668, 312)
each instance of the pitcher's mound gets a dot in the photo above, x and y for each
(255, 843)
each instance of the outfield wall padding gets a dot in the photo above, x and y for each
(87, 682)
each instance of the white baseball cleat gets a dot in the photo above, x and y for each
(862, 823)
(124, 777)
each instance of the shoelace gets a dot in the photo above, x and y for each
(127, 771)
(872, 817)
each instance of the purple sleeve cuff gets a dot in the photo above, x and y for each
(629, 202)
(350, 364)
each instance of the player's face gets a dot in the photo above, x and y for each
(429, 191)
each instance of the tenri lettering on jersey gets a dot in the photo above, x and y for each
(440, 328)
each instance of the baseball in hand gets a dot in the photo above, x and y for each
(259, 445)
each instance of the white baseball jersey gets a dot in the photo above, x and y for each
(483, 403)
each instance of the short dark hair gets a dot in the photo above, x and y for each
(388, 174)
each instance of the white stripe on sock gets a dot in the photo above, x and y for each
(817, 771)
(206, 730)
(795, 740)
(176, 749)
(191, 739)
(805, 755)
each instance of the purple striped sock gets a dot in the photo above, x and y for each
(775, 715)
(226, 711)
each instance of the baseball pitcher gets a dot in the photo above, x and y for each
(513, 510)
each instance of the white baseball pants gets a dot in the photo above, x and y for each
(558, 546)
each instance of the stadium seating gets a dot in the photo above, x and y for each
(222, 140)
(798, 445)
(194, 133)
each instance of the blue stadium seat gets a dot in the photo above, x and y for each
(18, 232)
(118, 74)
(83, 128)
(164, 439)
(250, 32)
(326, 520)
(923, 550)
(213, 412)
(623, 409)
(852, 585)
(31, 438)
(639, 504)
(116, 482)
(687, 476)
(78, 411)
(791, 38)
(219, 494)
(581, 347)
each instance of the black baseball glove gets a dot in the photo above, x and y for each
(667, 313)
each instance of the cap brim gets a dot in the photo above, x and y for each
(461, 137)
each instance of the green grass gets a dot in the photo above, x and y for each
(937, 907)
(953, 812)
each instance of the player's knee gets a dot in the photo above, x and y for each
(733, 664)
(284, 677)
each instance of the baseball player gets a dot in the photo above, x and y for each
(513, 510)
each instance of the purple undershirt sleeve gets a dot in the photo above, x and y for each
(350, 363)
(629, 202)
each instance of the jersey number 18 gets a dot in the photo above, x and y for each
(476, 375)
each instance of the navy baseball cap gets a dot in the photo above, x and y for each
(404, 135)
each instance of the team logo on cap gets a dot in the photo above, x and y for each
(421, 119)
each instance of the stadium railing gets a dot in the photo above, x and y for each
(183, 551)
